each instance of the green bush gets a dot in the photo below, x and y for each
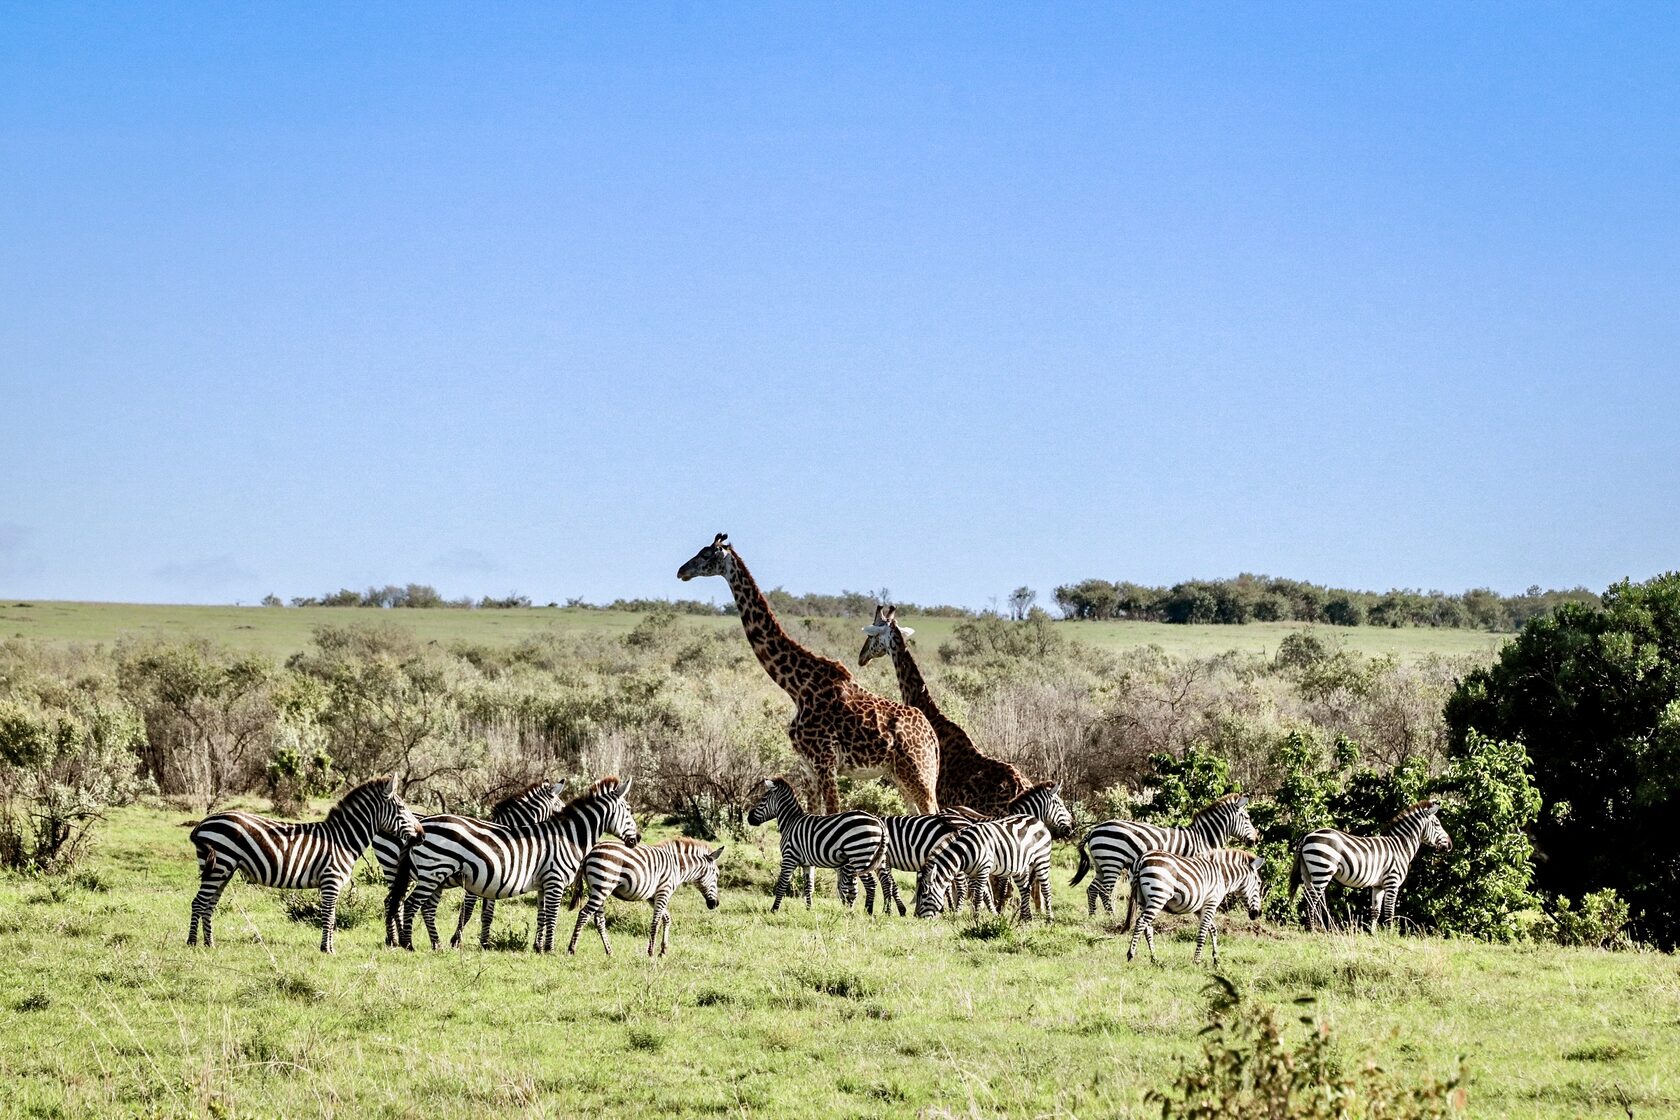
(1250, 1067)
(1598, 921)
(1185, 784)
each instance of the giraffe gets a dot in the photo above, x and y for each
(966, 777)
(839, 724)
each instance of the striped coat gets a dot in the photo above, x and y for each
(496, 862)
(320, 854)
(910, 841)
(853, 843)
(531, 805)
(1378, 862)
(1015, 847)
(651, 873)
(1114, 847)
(1192, 885)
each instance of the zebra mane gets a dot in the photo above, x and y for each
(605, 786)
(1216, 804)
(373, 787)
(513, 798)
(1412, 812)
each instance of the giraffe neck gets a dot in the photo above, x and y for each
(794, 668)
(910, 683)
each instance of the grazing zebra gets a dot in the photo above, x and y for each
(1192, 885)
(1379, 862)
(855, 843)
(1114, 847)
(496, 862)
(1016, 847)
(652, 873)
(910, 841)
(1043, 801)
(296, 856)
(531, 805)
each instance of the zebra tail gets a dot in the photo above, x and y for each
(1084, 865)
(1294, 874)
(400, 882)
(879, 861)
(1131, 896)
(576, 888)
(206, 855)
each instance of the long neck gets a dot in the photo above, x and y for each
(1212, 825)
(793, 667)
(910, 683)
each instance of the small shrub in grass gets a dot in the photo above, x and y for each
(300, 988)
(1249, 1067)
(712, 997)
(995, 927)
(34, 1001)
(1599, 920)
(506, 940)
(354, 907)
(833, 981)
(641, 1038)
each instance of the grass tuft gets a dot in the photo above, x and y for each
(1604, 1052)
(835, 981)
(648, 1041)
(300, 988)
(34, 1001)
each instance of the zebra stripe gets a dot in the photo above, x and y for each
(1378, 862)
(651, 873)
(271, 853)
(910, 841)
(1114, 847)
(1016, 847)
(1192, 885)
(854, 843)
(531, 805)
(496, 862)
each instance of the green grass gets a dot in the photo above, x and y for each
(278, 632)
(800, 1013)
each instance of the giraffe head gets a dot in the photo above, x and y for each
(716, 559)
(881, 634)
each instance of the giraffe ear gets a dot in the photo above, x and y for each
(907, 631)
(874, 630)
(721, 541)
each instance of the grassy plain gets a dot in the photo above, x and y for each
(820, 1013)
(280, 631)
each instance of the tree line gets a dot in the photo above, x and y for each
(1257, 598)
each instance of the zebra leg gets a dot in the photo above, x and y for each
(1101, 890)
(784, 883)
(889, 892)
(203, 906)
(548, 913)
(661, 918)
(1024, 887)
(329, 912)
(486, 918)
(467, 904)
(1377, 894)
(1312, 897)
(1203, 932)
(428, 911)
(869, 894)
(1146, 927)
(1045, 905)
(1390, 897)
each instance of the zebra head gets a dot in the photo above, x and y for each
(1251, 887)
(776, 799)
(1045, 802)
(1240, 826)
(392, 817)
(617, 818)
(716, 559)
(1433, 833)
(709, 878)
(933, 881)
(882, 635)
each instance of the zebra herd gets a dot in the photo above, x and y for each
(535, 841)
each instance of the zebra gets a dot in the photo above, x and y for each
(1379, 862)
(1016, 847)
(910, 841)
(292, 856)
(1114, 847)
(1197, 884)
(496, 862)
(531, 805)
(1043, 801)
(855, 843)
(652, 873)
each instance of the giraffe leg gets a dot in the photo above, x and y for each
(828, 783)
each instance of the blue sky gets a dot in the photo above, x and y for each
(539, 298)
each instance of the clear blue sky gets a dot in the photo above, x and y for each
(949, 300)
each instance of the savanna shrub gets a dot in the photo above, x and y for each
(1598, 921)
(1250, 1067)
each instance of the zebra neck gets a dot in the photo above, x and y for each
(1209, 828)
(789, 815)
(1407, 837)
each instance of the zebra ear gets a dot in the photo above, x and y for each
(391, 785)
(715, 853)
(624, 790)
(1055, 789)
(1242, 799)
(1259, 862)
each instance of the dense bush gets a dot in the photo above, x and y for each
(1593, 693)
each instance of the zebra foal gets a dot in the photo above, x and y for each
(1192, 885)
(854, 843)
(651, 873)
(1017, 848)
(1114, 847)
(1378, 862)
(496, 862)
(319, 854)
(531, 805)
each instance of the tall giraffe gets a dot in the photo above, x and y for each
(839, 724)
(966, 777)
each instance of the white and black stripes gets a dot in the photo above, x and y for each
(854, 843)
(1016, 848)
(319, 854)
(496, 862)
(1114, 847)
(1378, 862)
(910, 841)
(1192, 885)
(651, 873)
(531, 805)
